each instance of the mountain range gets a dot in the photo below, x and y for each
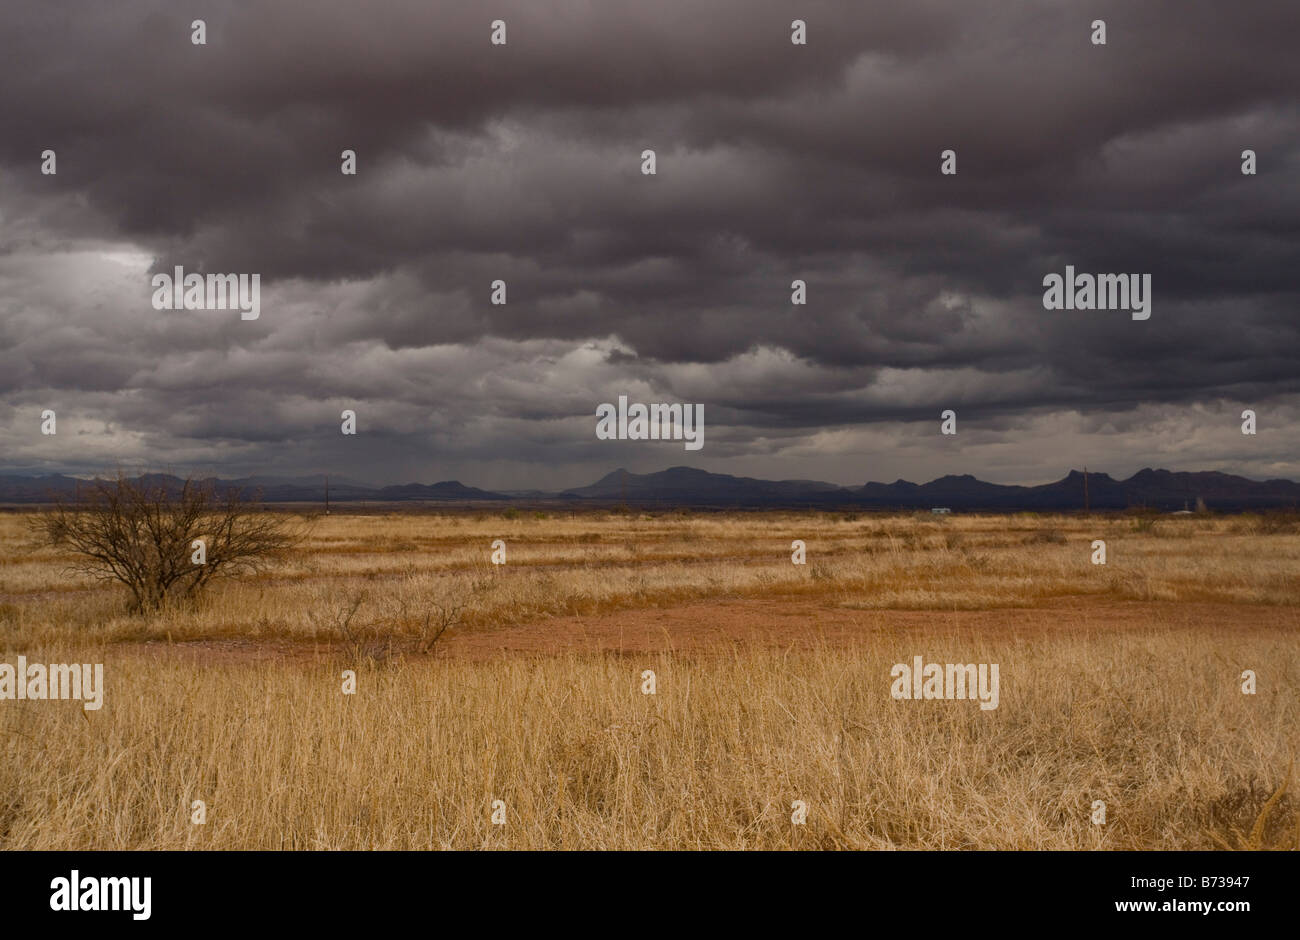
(687, 486)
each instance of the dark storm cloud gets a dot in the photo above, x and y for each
(522, 163)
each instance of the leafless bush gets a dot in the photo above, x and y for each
(142, 533)
(335, 618)
(1048, 536)
(432, 619)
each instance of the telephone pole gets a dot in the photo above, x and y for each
(327, 494)
(1087, 509)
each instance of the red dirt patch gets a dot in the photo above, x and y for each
(719, 625)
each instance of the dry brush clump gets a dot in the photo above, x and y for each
(372, 624)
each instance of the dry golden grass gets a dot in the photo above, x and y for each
(596, 563)
(1152, 722)
(1155, 727)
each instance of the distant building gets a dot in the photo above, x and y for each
(941, 510)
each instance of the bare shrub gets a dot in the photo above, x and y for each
(141, 533)
(1145, 525)
(334, 617)
(1048, 536)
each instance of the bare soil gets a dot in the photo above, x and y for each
(719, 625)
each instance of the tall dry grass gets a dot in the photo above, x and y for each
(1156, 727)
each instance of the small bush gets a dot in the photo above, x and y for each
(143, 533)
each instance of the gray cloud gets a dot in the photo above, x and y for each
(775, 162)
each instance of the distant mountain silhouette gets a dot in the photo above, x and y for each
(1156, 489)
(17, 489)
(688, 486)
(448, 489)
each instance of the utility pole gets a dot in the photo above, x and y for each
(1087, 509)
(327, 494)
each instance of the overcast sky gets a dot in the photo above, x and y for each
(775, 161)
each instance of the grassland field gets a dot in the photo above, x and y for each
(1120, 683)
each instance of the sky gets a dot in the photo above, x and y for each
(523, 163)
